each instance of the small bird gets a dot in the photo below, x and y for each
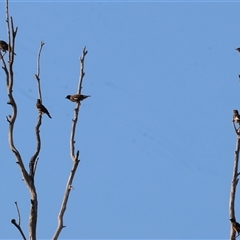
(4, 46)
(238, 49)
(235, 226)
(236, 116)
(77, 97)
(41, 108)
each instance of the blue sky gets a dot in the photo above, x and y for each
(156, 139)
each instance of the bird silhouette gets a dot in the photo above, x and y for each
(77, 97)
(236, 116)
(4, 46)
(41, 108)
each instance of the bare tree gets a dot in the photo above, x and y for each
(28, 176)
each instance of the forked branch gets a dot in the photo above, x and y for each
(18, 225)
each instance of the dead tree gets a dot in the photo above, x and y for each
(28, 175)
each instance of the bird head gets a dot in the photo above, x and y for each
(68, 96)
(235, 111)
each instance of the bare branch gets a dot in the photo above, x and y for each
(19, 216)
(37, 76)
(32, 163)
(13, 221)
(8, 27)
(65, 198)
(11, 120)
(75, 158)
(76, 110)
(234, 187)
(9, 82)
(18, 225)
(82, 73)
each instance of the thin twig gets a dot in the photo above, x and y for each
(8, 30)
(13, 221)
(82, 73)
(18, 225)
(37, 76)
(19, 216)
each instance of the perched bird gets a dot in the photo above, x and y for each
(236, 116)
(235, 226)
(41, 108)
(77, 97)
(4, 46)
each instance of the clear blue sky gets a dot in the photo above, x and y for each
(156, 139)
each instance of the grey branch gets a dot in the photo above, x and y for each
(33, 163)
(82, 73)
(76, 110)
(8, 69)
(65, 198)
(13, 221)
(18, 225)
(74, 157)
(37, 76)
(234, 187)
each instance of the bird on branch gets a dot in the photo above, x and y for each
(4, 47)
(236, 116)
(77, 97)
(41, 108)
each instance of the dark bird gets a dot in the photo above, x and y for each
(4, 46)
(235, 225)
(236, 116)
(77, 97)
(238, 49)
(41, 108)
